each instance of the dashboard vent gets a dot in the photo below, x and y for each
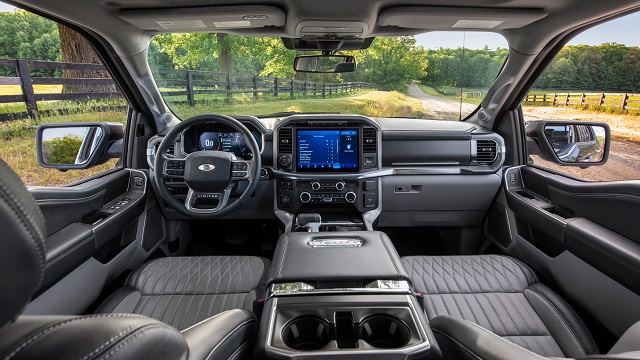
(285, 141)
(171, 151)
(486, 151)
(369, 141)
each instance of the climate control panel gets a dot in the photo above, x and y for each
(294, 194)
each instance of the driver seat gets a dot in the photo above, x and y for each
(182, 291)
(228, 335)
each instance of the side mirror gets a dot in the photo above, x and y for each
(577, 143)
(67, 146)
(324, 64)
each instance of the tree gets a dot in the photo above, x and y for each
(24, 35)
(76, 49)
(61, 150)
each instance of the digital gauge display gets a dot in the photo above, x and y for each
(227, 141)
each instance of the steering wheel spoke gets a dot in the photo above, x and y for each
(174, 168)
(240, 170)
(207, 203)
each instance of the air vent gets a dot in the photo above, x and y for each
(369, 141)
(171, 151)
(285, 141)
(486, 151)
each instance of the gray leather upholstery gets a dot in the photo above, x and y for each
(504, 296)
(228, 335)
(22, 258)
(113, 336)
(182, 291)
(462, 340)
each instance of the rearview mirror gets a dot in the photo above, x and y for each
(324, 64)
(577, 143)
(78, 145)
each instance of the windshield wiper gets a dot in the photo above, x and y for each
(289, 113)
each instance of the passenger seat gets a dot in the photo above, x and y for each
(504, 296)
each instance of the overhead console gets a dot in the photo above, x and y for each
(319, 161)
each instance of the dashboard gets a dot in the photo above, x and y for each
(390, 171)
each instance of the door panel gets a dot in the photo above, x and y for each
(577, 234)
(595, 221)
(97, 219)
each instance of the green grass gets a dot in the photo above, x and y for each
(372, 103)
(18, 149)
(18, 137)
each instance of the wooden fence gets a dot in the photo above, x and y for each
(613, 100)
(181, 86)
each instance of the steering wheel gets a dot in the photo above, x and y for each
(210, 175)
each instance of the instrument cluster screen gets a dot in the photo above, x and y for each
(327, 150)
(228, 141)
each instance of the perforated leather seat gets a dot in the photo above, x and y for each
(504, 296)
(183, 291)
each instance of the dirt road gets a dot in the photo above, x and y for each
(438, 108)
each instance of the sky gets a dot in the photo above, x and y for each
(622, 31)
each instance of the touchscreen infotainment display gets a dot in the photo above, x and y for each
(327, 150)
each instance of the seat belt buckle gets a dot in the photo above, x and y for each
(258, 306)
(420, 298)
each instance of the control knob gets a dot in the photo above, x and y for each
(350, 196)
(340, 186)
(284, 161)
(305, 197)
(315, 185)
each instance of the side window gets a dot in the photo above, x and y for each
(49, 74)
(596, 77)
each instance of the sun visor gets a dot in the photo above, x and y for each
(447, 18)
(204, 19)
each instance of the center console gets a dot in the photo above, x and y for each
(324, 164)
(341, 295)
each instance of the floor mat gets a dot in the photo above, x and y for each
(233, 237)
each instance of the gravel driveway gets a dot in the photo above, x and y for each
(438, 108)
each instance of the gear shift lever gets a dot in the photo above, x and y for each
(311, 221)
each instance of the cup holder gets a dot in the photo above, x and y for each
(306, 334)
(385, 332)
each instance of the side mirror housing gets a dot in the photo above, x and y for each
(569, 142)
(66, 146)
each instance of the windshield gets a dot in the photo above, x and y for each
(441, 76)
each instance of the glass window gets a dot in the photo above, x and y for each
(596, 77)
(441, 76)
(50, 74)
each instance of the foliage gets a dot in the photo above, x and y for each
(24, 35)
(61, 150)
(463, 67)
(606, 67)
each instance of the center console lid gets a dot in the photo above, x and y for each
(336, 259)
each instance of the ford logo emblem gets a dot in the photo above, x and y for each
(206, 167)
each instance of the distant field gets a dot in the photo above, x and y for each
(18, 137)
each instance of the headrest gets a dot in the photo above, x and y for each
(22, 249)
